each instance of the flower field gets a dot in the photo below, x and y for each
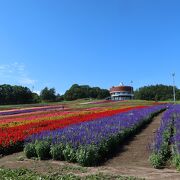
(28, 110)
(14, 129)
(85, 135)
(167, 140)
(90, 142)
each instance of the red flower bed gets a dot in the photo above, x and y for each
(12, 135)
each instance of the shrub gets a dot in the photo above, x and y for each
(57, 152)
(113, 142)
(87, 156)
(176, 161)
(42, 149)
(30, 150)
(103, 150)
(165, 151)
(69, 153)
(156, 160)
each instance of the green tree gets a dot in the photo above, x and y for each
(84, 91)
(15, 94)
(157, 92)
(59, 97)
(36, 98)
(48, 94)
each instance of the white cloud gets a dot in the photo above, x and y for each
(37, 92)
(15, 72)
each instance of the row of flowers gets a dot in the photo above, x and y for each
(166, 143)
(176, 138)
(89, 143)
(46, 116)
(10, 136)
(29, 110)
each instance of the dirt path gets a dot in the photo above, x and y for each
(131, 161)
(133, 158)
(136, 151)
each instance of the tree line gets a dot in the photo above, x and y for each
(23, 95)
(84, 91)
(157, 92)
(15, 95)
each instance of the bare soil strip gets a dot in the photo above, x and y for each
(131, 161)
(133, 158)
(136, 151)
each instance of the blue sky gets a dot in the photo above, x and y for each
(57, 43)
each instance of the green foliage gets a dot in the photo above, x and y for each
(176, 161)
(19, 174)
(57, 151)
(17, 147)
(69, 153)
(59, 98)
(48, 94)
(36, 98)
(156, 160)
(23, 95)
(25, 174)
(113, 141)
(166, 135)
(77, 92)
(42, 149)
(30, 150)
(87, 156)
(15, 95)
(165, 150)
(156, 92)
(103, 150)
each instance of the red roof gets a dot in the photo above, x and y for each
(121, 88)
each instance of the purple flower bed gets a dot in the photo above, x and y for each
(176, 121)
(93, 132)
(166, 123)
(176, 137)
(161, 146)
